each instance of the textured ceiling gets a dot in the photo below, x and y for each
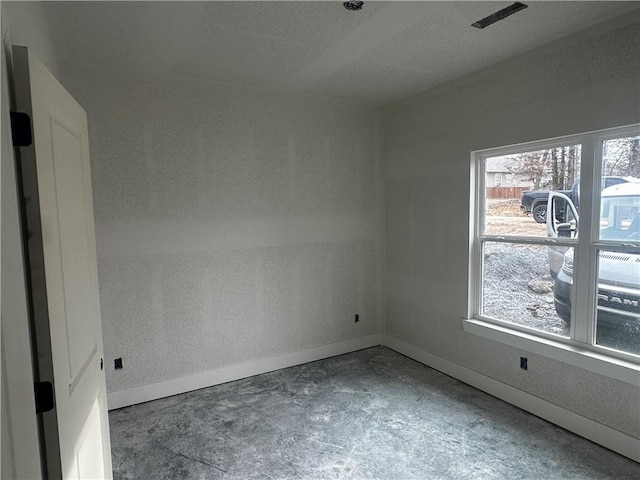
(385, 52)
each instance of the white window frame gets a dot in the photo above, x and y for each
(579, 349)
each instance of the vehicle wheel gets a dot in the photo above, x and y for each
(540, 213)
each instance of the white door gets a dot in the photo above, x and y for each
(63, 273)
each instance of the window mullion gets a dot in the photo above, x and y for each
(583, 313)
(477, 230)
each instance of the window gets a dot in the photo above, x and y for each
(562, 263)
(498, 179)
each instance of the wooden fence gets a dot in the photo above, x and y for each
(505, 192)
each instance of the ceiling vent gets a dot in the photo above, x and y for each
(353, 5)
(499, 15)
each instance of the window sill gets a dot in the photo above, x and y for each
(622, 370)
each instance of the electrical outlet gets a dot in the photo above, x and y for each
(117, 363)
(523, 363)
(357, 318)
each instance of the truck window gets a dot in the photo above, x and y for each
(618, 216)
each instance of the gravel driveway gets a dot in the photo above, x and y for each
(512, 272)
(518, 286)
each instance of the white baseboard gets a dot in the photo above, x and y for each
(145, 393)
(596, 432)
(612, 439)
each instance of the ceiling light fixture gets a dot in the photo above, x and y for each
(499, 15)
(353, 5)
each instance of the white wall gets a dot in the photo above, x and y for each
(23, 23)
(28, 27)
(583, 83)
(232, 225)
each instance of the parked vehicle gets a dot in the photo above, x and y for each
(618, 305)
(535, 202)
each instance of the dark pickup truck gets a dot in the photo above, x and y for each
(535, 202)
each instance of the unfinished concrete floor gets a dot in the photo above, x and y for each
(368, 414)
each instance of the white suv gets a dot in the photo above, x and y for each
(618, 313)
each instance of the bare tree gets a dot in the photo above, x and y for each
(555, 168)
(531, 166)
(573, 167)
(621, 156)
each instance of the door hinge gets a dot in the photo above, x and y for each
(21, 132)
(44, 397)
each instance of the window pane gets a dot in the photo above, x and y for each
(620, 198)
(620, 158)
(620, 213)
(517, 286)
(618, 314)
(518, 185)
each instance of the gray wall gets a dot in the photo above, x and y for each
(235, 225)
(231, 225)
(585, 82)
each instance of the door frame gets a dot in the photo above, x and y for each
(20, 425)
(35, 271)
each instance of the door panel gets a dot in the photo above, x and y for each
(76, 272)
(88, 451)
(56, 180)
